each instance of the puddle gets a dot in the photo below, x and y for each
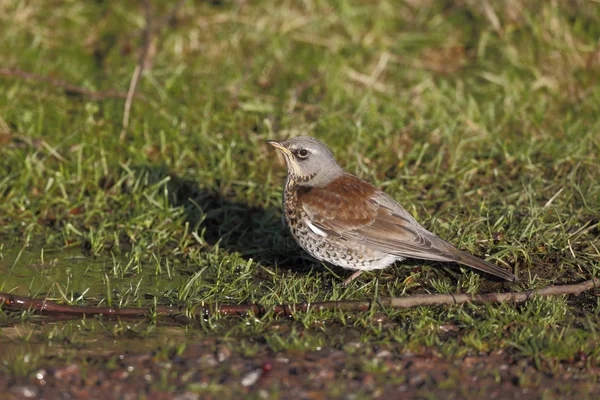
(87, 337)
(33, 270)
(25, 271)
(69, 273)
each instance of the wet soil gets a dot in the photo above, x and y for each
(212, 368)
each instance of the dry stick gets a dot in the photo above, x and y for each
(139, 68)
(11, 302)
(145, 56)
(68, 87)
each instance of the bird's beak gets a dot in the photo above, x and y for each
(279, 146)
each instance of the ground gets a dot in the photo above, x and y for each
(480, 118)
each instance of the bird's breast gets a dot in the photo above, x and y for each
(292, 210)
(324, 247)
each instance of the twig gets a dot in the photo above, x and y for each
(147, 53)
(9, 301)
(68, 87)
(127, 108)
(139, 68)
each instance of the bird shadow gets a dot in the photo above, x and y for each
(232, 225)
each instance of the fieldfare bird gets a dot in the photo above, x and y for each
(341, 219)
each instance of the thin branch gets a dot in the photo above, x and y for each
(66, 86)
(146, 55)
(17, 303)
(130, 93)
(139, 68)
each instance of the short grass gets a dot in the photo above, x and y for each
(481, 118)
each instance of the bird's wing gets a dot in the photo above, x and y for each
(359, 213)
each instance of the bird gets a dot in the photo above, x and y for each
(341, 219)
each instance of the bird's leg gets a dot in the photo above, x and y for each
(353, 277)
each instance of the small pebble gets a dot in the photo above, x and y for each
(251, 377)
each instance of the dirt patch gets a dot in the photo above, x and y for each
(212, 368)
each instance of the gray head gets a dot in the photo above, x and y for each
(309, 161)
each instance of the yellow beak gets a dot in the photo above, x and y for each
(289, 156)
(279, 146)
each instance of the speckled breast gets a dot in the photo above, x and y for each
(329, 249)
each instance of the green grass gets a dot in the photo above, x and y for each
(481, 118)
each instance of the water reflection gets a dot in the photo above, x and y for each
(35, 270)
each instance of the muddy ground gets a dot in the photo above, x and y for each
(212, 368)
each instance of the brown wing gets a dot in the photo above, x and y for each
(357, 212)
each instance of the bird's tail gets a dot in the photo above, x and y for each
(478, 263)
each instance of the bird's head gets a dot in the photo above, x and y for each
(309, 161)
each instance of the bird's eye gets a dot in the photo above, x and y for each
(303, 153)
